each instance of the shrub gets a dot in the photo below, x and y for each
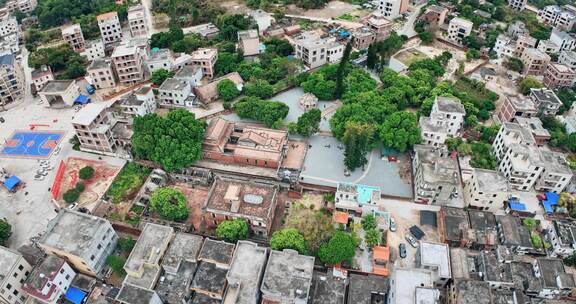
(86, 172)
(233, 230)
(71, 195)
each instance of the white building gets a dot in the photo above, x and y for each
(249, 42)
(192, 75)
(556, 174)
(486, 190)
(556, 16)
(564, 40)
(139, 103)
(128, 61)
(316, 51)
(555, 280)
(436, 176)
(562, 236)
(137, 21)
(101, 73)
(59, 93)
(13, 272)
(391, 9)
(568, 58)
(73, 35)
(160, 59)
(548, 47)
(176, 93)
(517, 5)
(11, 79)
(110, 28)
(513, 45)
(94, 49)
(8, 25)
(436, 258)
(50, 280)
(459, 28)
(25, 6)
(446, 119)
(408, 286)
(42, 76)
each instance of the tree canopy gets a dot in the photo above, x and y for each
(86, 172)
(356, 140)
(170, 204)
(229, 26)
(166, 39)
(159, 76)
(227, 90)
(260, 88)
(288, 238)
(232, 230)
(267, 112)
(341, 247)
(5, 232)
(174, 142)
(529, 83)
(62, 59)
(309, 122)
(400, 131)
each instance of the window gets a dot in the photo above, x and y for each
(8, 286)
(67, 277)
(20, 267)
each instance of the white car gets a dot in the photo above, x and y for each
(73, 206)
(392, 224)
(38, 177)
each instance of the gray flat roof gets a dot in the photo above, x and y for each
(216, 251)
(288, 275)
(153, 240)
(436, 255)
(491, 181)
(89, 113)
(246, 269)
(450, 104)
(174, 288)
(99, 63)
(473, 292)
(46, 270)
(172, 84)
(363, 287)
(210, 278)
(8, 259)
(56, 86)
(75, 232)
(184, 247)
(407, 280)
(134, 294)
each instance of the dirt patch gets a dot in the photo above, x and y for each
(410, 56)
(332, 9)
(96, 186)
(235, 7)
(195, 198)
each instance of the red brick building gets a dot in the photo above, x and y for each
(516, 106)
(558, 75)
(231, 142)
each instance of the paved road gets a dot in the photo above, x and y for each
(408, 28)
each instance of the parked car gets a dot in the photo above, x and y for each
(90, 89)
(392, 224)
(411, 240)
(73, 206)
(402, 249)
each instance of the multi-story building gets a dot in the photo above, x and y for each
(561, 235)
(101, 73)
(73, 35)
(535, 61)
(545, 101)
(557, 16)
(252, 201)
(348, 197)
(160, 59)
(249, 42)
(192, 75)
(558, 76)
(245, 273)
(534, 125)
(548, 47)
(8, 25)
(520, 161)
(139, 103)
(436, 258)
(59, 93)
(128, 62)
(50, 280)
(486, 190)
(392, 9)
(84, 241)
(93, 128)
(516, 106)
(287, 278)
(11, 80)
(513, 46)
(205, 58)
(446, 119)
(378, 24)
(513, 235)
(568, 58)
(24, 6)
(459, 28)
(517, 5)
(316, 51)
(564, 40)
(435, 15)
(110, 28)
(137, 21)
(14, 270)
(42, 76)
(555, 281)
(436, 175)
(176, 93)
(556, 174)
(94, 49)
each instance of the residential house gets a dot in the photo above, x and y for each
(351, 198)
(249, 42)
(534, 125)
(110, 28)
(210, 281)
(11, 80)
(546, 101)
(517, 5)
(175, 93)
(59, 93)
(84, 241)
(555, 280)
(469, 292)
(561, 235)
(516, 106)
(14, 270)
(568, 58)
(391, 9)
(445, 121)
(72, 34)
(160, 59)
(101, 73)
(548, 47)
(564, 40)
(128, 61)
(556, 174)
(287, 277)
(139, 103)
(557, 16)
(535, 61)
(436, 175)
(513, 235)
(459, 28)
(413, 285)
(93, 126)
(137, 21)
(453, 226)
(94, 49)
(42, 76)
(558, 76)
(486, 190)
(50, 280)
(380, 25)
(192, 75)
(316, 51)
(246, 273)
(205, 58)
(436, 258)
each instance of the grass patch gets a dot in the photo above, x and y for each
(116, 262)
(408, 57)
(346, 17)
(537, 30)
(128, 182)
(137, 209)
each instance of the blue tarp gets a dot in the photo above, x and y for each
(551, 200)
(516, 206)
(82, 99)
(75, 295)
(11, 182)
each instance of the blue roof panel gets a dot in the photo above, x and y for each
(11, 182)
(75, 295)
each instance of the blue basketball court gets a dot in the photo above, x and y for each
(32, 144)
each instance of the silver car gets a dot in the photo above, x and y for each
(411, 240)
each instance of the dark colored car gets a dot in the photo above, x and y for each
(402, 249)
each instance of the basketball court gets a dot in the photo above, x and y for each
(31, 144)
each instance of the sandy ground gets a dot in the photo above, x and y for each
(332, 10)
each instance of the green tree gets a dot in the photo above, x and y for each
(86, 172)
(400, 131)
(71, 195)
(372, 237)
(288, 238)
(267, 112)
(341, 73)
(5, 232)
(227, 62)
(514, 64)
(232, 230)
(159, 76)
(227, 90)
(126, 244)
(529, 223)
(116, 262)
(426, 37)
(318, 84)
(356, 140)
(372, 56)
(570, 260)
(260, 88)
(472, 54)
(166, 39)
(80, 187)
(529, 83)
(170, 204)
(279, 47)
(174, 142)
(309, 122)
(229, 26)
(368, 222)
(341, 247)
(536, 241)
